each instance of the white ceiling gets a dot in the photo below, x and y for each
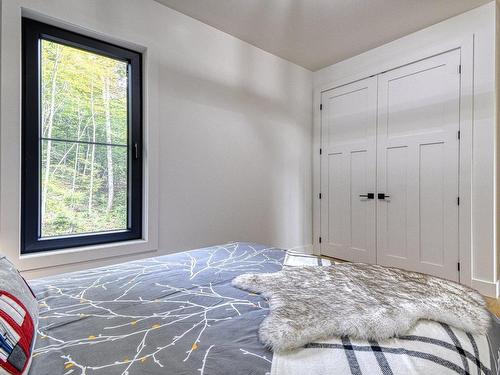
(318, 33)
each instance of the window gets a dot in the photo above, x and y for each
(82, 137)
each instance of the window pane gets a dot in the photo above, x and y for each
(84, 95)
(83, 188)
(84, 100)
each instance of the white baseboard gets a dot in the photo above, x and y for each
(306, 249)
(486, 288)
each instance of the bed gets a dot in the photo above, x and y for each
(174, 314)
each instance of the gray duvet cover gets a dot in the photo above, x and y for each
(175, 314)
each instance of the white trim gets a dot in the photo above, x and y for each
(486, 288)
(394, 62)
(306, 249)
(316, 159)
(10, 145)
(465, 163)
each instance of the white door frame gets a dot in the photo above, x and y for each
(466, 46)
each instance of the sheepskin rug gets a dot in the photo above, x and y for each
(358, 300)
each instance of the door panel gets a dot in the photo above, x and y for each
(348, 165)
(338, 225)
(396, 218)
(432, 196)
(418, 153)
(359, 227)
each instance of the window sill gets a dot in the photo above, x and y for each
(62, 257)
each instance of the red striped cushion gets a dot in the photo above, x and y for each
(18, 320)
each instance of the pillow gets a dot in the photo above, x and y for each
(18, 321)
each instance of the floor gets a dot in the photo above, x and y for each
(493, 303)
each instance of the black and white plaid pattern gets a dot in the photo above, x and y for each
(429, 348)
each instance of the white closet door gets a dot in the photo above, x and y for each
(348, 164)
(418, 153)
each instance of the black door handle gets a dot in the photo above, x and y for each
(382, 196)
(367, 195)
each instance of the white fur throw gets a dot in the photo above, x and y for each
(358, 300)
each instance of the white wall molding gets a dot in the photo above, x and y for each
(306, 249)
(486, 288)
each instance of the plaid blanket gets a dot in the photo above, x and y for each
(429, 348)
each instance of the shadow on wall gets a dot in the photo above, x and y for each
(235, 131)
(235, 153)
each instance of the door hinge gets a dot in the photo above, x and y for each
(319, 195)
(458, 134)
(320, 240)
(321, 107)
(460, 69)
(458, 266)
(458, 201)
(320, 151)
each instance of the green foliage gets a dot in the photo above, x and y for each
(84, 102)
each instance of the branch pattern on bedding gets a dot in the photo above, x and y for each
(176, 314)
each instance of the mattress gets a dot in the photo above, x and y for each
(174, 314)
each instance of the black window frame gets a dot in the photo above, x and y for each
(31, 241)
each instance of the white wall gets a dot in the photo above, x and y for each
(471, 31)
(497, 160)
(228, 134)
